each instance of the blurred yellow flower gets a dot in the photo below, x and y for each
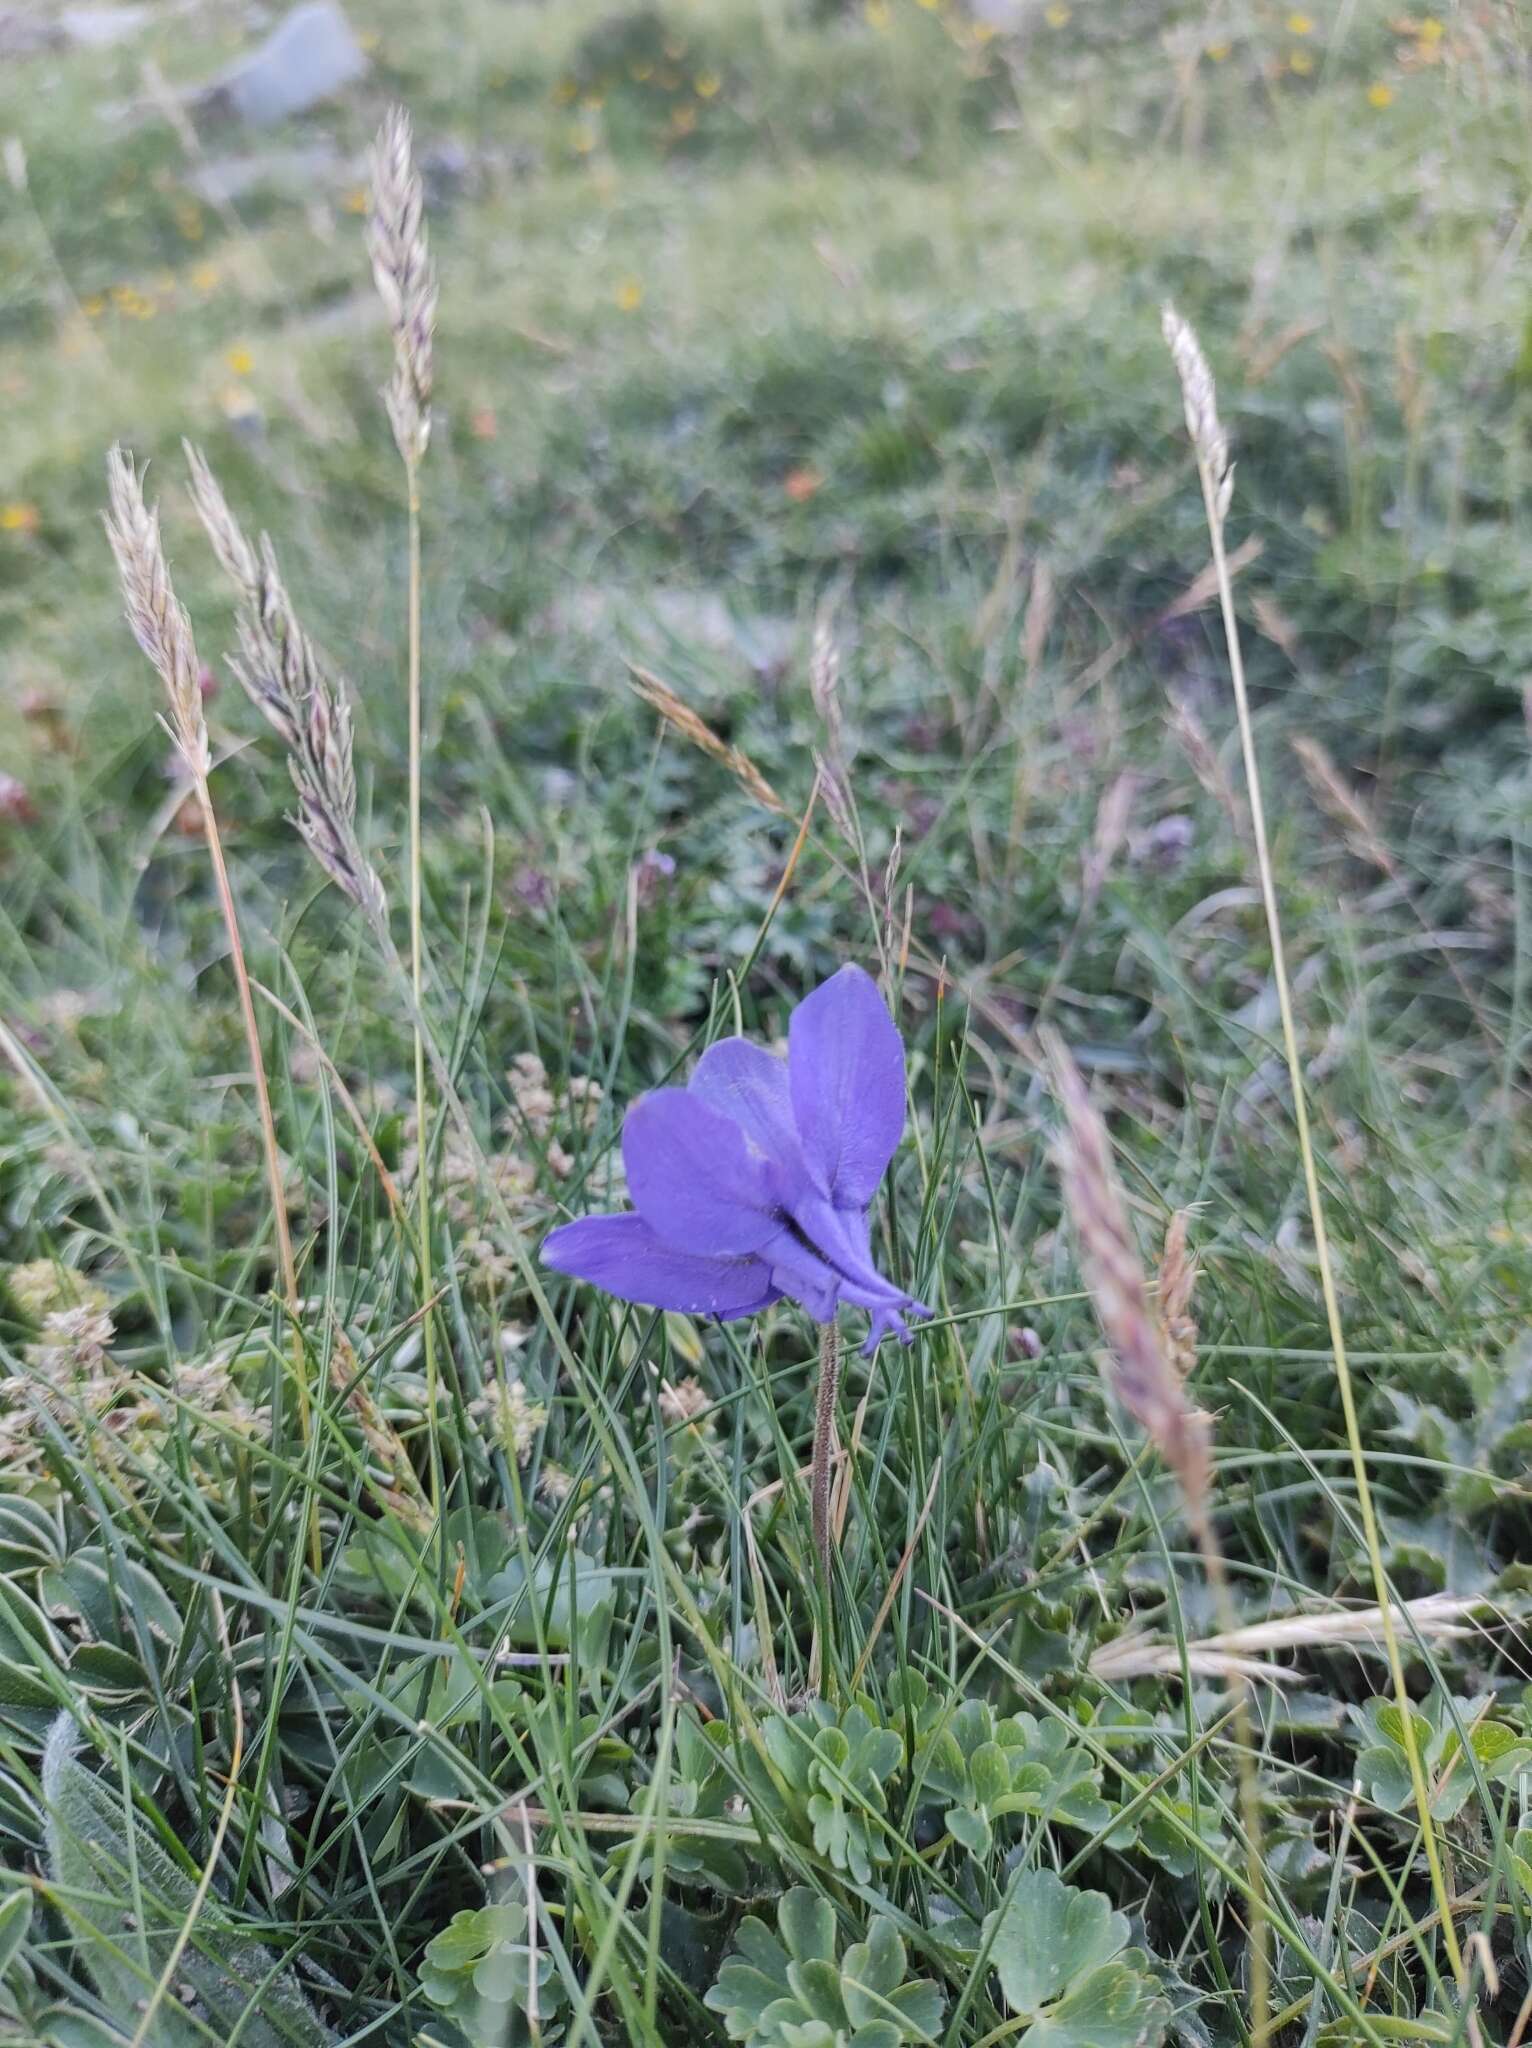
(582, 141)
(1300, 25)
(19, 519)
(683, 120)
(205, 277)
(1431, 30)
(1380, 95)
(93, 307)
(593, 102)
(240, 360)
(1057, 15)
(629, 295)
(356, 200)
(1301, 61)
(877, 13)
(706, 85)
(1218, 53)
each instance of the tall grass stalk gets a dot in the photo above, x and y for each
(163, 630)
(1216, 476)
(402, 270)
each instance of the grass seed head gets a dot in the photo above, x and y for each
(157, 616)
(1200, 398)
(401, 267)
(676, 713)
(1142, 1375)
(285, 678)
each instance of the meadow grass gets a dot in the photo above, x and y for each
(809, 564)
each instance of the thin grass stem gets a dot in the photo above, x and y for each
(1215, 478)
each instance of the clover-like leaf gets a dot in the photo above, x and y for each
(1052, 1776)
(788, 1990)
(1048, 1934)
(877, 1992)
(478, 1972)
(828, 1787)
(1496, 1751)
(699, 1787)
(990, 1769)
(1116, 2006)
(1064, 1964)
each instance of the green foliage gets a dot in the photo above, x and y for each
(1495, 1753)
(990, 1769)
(702, 1789)
(124, 1902)
(1064, 1965)
(479, 1971)
(741, 320)
(794, 1989)
(825, 1780)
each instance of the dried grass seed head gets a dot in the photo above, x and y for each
(1142, 1376)
(286, 680)
(833, 765)
(660, 698)
(1199, 396)
(401, 267)
(157, 616)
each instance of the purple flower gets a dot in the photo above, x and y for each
(755, 1181)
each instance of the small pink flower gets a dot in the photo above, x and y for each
(16, 805)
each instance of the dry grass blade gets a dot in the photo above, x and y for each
(1192, 737)
(1437, 1616)
(1114, 814)
(401, 267)
(1216, 479)
(1343, 804)
(680, 716)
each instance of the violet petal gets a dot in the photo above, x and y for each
(695, 1177)
(749, 1085)
(623, 1255)
(845, 1067)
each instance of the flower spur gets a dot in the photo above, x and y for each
(754, 1181)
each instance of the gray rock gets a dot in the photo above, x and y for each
(24, 35)
(223, 180)
(97, 28)
(309, 56)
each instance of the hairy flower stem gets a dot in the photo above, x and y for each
(822, 1464)
(1215, 501)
